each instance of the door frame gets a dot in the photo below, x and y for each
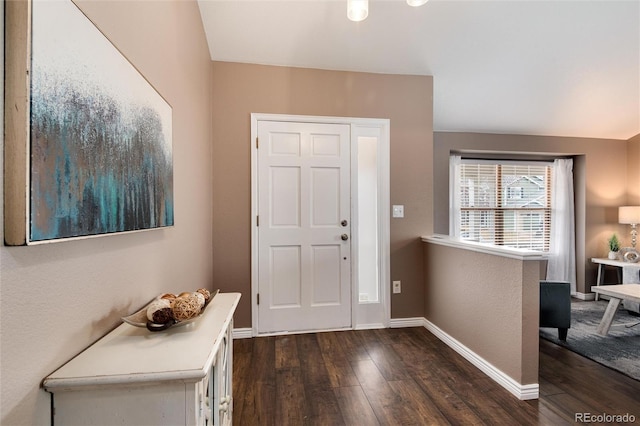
(360, 313)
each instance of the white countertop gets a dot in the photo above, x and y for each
(510, 252)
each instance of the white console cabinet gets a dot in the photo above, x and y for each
(132, 376)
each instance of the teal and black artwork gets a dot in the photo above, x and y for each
(101, 136)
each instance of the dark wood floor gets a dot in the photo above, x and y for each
(408, 377)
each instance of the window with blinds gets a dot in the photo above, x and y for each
(506, 204)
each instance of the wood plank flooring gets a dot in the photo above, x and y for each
(408, 377)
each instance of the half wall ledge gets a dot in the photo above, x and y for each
(509, 252)
(486, 299)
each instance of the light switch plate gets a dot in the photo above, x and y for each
(398, 210)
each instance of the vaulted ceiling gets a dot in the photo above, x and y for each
(562, 68)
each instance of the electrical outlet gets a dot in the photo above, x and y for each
(397, 287)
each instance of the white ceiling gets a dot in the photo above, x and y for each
(563, 67)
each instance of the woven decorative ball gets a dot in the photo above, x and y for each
(200, 297)
(205, 293)
(162, 316)
(185, 308)
(157, 305)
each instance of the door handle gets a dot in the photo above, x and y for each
(344, 223)
(344, 237)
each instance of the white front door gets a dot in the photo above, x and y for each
(304, 239)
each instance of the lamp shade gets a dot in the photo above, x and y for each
(629, 214)
(416, 3)
(357, 10)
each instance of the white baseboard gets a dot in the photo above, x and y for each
(584, 296)
(523, 392)
(406, 322)
(242, 333)
(372, 326)
(247, 333)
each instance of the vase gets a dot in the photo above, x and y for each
(613, 255)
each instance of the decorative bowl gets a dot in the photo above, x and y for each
(139, 318)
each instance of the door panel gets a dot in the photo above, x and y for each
(285, 274)
(285, 197)
(325, 275)
(304, 264)
(325, 197)
(284, 144)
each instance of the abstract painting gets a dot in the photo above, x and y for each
(100, 134)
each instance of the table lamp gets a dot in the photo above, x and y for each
(630, 215)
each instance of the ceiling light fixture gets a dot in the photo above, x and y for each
(358, 10)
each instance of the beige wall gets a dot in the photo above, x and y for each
(600, 167)
(242, 89)
(496, 316)
(633, 171)
(59, 298)
(488, 303)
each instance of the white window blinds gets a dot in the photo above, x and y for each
(504, 203)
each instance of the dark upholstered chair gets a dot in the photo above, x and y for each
(555, 306)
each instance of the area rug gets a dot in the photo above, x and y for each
(619, 350)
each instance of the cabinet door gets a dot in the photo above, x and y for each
(204, 389)
(155, 404)
(222, 381)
